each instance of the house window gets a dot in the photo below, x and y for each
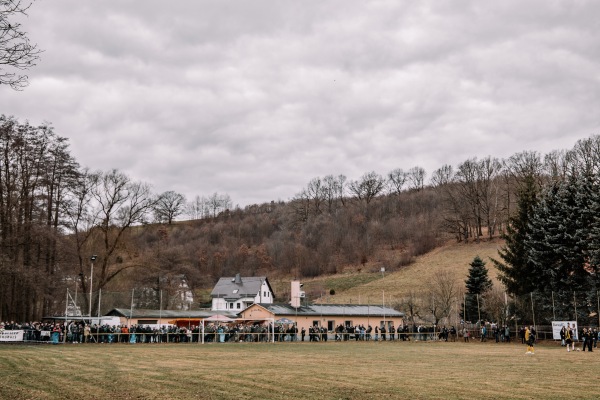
(264, 294)
(317, 323)
(330, 325)
(238, 305)
(230, 305)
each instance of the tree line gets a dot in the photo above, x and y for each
(552, 250)
(55, 214)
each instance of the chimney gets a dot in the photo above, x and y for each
(238, 279)
(297, 294)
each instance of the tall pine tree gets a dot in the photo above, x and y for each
(557, 247)
(477, 284)
(515, 270)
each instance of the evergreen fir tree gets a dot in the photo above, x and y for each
(557, 245)
(515, 271)
(588, 233)
(477, 284)
(593, 248)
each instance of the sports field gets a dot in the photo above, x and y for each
(352, 370)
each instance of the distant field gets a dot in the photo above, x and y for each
(355, 370)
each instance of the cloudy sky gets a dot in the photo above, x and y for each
(254, 98)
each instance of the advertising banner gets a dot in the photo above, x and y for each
(11, 336)
(557, 326)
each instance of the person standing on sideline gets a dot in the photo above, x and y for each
(55, 334)
(530, 339)
(562, 335)
(569, 338)
(587, 339)
(86, 333)
(522, 334)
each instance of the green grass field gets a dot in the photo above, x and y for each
(352, 370)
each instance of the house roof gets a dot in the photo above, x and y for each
(351, 310)
(234, 288)
(143, 313)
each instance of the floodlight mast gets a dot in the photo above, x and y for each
(92, 259)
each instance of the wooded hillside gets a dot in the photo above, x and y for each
(55, 215)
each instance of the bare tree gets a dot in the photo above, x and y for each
(341, 188)
(105, 208)
(456, 214)
(442, 176)
(80, 220)
(218, 202)
(495, 305)
(311, 200)
(527, 164)
(442, 296)
(476, 181)
(197, 208)
(416, 178)
(331, 188)
(397, 179)
(300, 207)
(410, 304)
(16, 51)
(556, 164)
(489, 171)
(368, 186)
(168, 206)
(35, 172)
(585, 156)
(316, 193)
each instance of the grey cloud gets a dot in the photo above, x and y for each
(256, 98)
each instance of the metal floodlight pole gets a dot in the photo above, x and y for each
(532, 309)
(598, 298)
(75, 300)
(131, 309)
(478, 310)
(506, 309)
(92, 259)
(383, 305)
(66, 315)
(99, 303)
(553, 309)
(575, 306)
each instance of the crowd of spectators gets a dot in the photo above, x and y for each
(32, 331)
(80, 332)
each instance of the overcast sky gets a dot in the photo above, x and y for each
(255, 98)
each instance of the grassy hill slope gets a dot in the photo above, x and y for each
(358, 286)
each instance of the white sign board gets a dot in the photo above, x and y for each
(557, 326)
(11, 336)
